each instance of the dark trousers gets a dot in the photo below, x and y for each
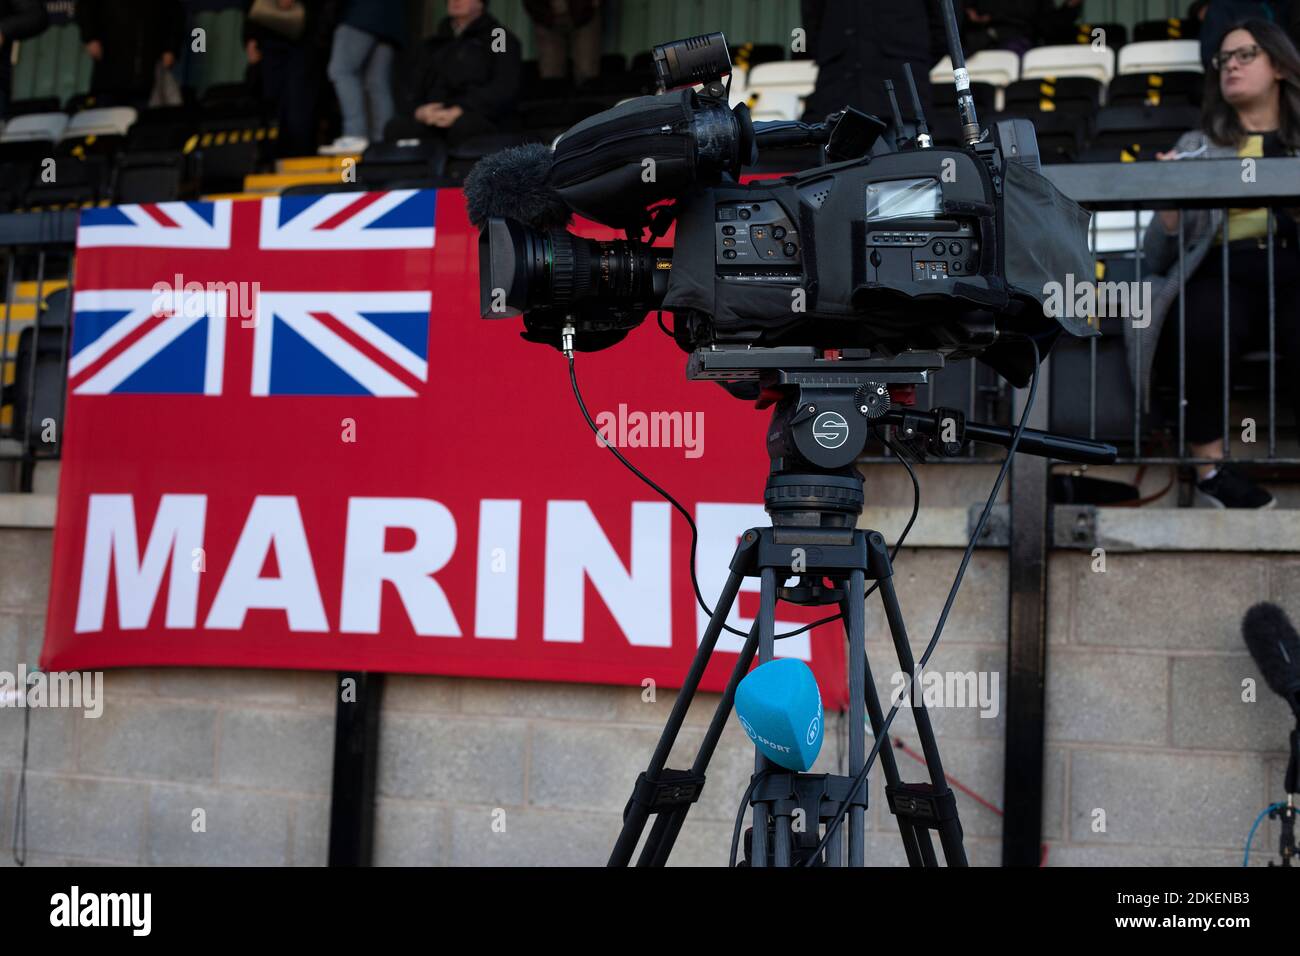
(1247, 331)
(292, 74)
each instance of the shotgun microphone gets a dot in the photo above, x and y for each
(1274, 645)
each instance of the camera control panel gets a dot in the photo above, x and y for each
(756, 241)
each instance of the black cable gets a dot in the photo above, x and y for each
(740, 814)
(947, 607)
(659, 317)
(695, 534)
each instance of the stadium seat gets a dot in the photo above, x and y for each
(1112, 35)
(461, 159)
(79, 180)
(383, 163)
(1076, 95)
(151, 176)
(1114, 231)
(1175, 88)
(1143, 130)
(944, 95)
(998, 68)
(1076, 60)
(1060, 135)
(105, 121)
(774, 105)
(787, 76)
(1173, 28)
(35, 127)
(44, 390)
(1161, 56)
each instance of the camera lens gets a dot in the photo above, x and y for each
(527, 269)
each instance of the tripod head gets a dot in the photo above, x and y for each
(825, 404)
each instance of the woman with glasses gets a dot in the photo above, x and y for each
(1251, 109)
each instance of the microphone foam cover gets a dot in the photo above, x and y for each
(512, 184)
(1274, 645)
(780, 708)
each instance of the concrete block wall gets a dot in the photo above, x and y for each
(1145, 723)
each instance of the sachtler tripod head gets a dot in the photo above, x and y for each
(825, 405)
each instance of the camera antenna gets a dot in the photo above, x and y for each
(898, 115)
(970, 124)
(922, 128)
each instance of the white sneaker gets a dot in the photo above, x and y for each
(345, 146)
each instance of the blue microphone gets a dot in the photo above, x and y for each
(780, 708)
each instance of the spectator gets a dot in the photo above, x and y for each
(1251, 108)
(468, 77)
(1220, 14)
(858, 46)
(1017, 25)
(361, 69)
(562, 28)
(291, 72)
(128, 47)
(19, 20)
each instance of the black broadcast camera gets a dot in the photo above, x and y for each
(879, 250)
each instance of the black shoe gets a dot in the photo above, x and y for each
(1228, 489)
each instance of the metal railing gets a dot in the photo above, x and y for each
(36, 254)
(1091, 387)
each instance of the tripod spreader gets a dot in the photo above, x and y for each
(948, 430)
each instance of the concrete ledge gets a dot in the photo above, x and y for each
(27, 511)
(1115, 529)
(1191, 529)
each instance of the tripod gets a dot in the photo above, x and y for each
(822, 417)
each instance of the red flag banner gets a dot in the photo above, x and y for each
(290, 442)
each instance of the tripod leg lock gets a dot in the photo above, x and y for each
(671, 789)
(921, 805)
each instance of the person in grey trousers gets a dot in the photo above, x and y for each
(361, 69)
(1251, 108)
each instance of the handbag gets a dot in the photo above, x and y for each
(288, 23)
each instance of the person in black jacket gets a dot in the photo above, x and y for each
(858, 46)
(467, 80)
(19, 20)
(291, 72)
(128, 44)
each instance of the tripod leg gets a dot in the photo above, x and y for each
(950, 835)
(637, 812)
(855, 626)
(853, 605)
(766, 649)
(667, 825)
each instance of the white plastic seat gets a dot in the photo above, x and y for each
(1161, 56)
(775, 105)
(34, 126)
(792, 76)
(1073, 59)
(105, 121)
(1112, 230)
(998, 67)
